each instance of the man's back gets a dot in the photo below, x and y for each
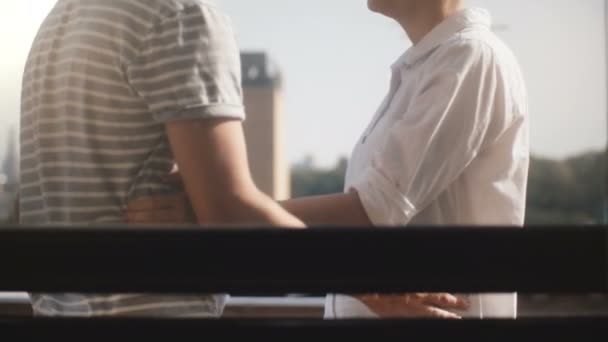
(102, 80)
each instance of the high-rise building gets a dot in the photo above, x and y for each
(262, 88)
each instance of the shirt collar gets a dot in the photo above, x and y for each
(467, 18)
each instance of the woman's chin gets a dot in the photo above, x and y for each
(372, 5)
(385, 7)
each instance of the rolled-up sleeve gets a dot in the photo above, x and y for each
(437, 137)
(188, 67)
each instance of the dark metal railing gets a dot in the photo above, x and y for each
(316, 261)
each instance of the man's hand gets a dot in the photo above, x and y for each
(415, 305)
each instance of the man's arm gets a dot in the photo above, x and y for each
(334, 209)
(212, 159)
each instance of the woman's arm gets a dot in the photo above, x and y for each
(343, 209)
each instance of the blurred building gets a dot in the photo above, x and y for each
(263, 99)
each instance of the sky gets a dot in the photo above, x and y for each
(335, 57)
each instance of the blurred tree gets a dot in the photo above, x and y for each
(307, 180)
(569, 191)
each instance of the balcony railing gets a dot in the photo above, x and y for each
(17, 304)
(558, 260)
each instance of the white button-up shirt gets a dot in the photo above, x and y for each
(449, 144)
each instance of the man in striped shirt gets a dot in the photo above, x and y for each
(114, 93)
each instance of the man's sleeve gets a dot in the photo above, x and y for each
(438, 136)
(189, 67)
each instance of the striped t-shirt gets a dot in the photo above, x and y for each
(102, 79)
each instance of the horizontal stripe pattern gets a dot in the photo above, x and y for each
(101, 79)
(129, 305)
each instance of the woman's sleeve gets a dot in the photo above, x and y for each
(440, 134)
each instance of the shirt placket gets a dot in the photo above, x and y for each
(394, 87)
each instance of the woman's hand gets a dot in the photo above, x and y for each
(415, 305)
(161, 209)
(172, 208)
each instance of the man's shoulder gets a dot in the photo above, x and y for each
(180, 4)
(170, 7)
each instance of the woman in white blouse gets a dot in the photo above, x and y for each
(448, 146)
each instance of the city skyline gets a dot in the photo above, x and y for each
(336, 71)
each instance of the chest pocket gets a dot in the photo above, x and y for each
(394, 107)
